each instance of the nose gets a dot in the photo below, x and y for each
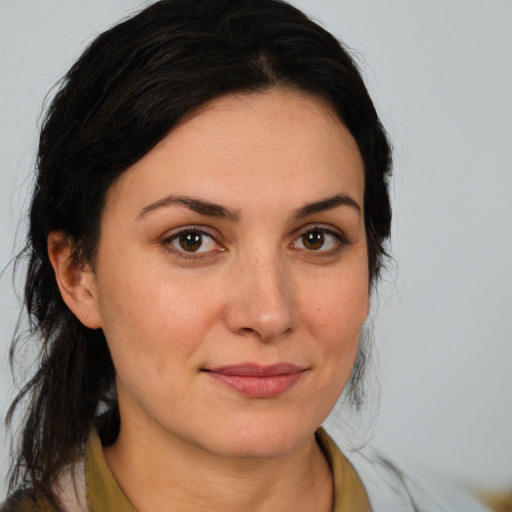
(262, 303)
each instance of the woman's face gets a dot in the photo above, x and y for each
(231, 277)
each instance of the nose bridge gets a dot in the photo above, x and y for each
(263, 303)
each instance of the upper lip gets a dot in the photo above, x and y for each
(257, 370)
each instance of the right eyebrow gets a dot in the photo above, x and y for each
(327, 204)
(192, 203)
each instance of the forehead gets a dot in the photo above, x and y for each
(275, 144)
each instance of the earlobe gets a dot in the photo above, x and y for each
(76, 282)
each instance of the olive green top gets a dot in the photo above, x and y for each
(103, 493)
(349, 493)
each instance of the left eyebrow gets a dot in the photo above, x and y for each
(195, 204)
(327, 204)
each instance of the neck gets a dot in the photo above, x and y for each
(173, 475)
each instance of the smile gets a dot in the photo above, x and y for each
(256, 381)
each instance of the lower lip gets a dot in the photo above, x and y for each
(265, 386)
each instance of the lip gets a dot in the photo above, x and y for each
(258, 381)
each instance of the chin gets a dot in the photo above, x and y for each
(262, 441)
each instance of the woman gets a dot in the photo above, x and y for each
(209, 218)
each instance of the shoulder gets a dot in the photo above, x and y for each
(392, 488)
(67, 495)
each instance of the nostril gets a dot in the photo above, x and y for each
(264, 334)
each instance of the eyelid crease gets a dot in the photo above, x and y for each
(326, 228)
(192, 228)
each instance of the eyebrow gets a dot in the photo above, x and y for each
(327, 204)
(215, 210)
(196, 205)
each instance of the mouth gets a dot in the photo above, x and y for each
(257, 381)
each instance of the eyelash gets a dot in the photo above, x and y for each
(339, 242)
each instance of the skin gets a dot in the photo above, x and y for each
(255, 291)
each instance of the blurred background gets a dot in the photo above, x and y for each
(440, 75)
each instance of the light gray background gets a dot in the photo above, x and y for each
(440, 73)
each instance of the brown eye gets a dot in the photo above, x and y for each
(190, 241)
(321, 240)
(313, 240)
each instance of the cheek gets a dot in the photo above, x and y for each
(335, 316)
(341, 302)
(150, 316)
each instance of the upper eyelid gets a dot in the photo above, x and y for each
(204, 230)
(328, 228)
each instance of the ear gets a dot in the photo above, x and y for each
(76, 282)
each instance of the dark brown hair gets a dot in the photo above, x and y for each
(125, 93)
